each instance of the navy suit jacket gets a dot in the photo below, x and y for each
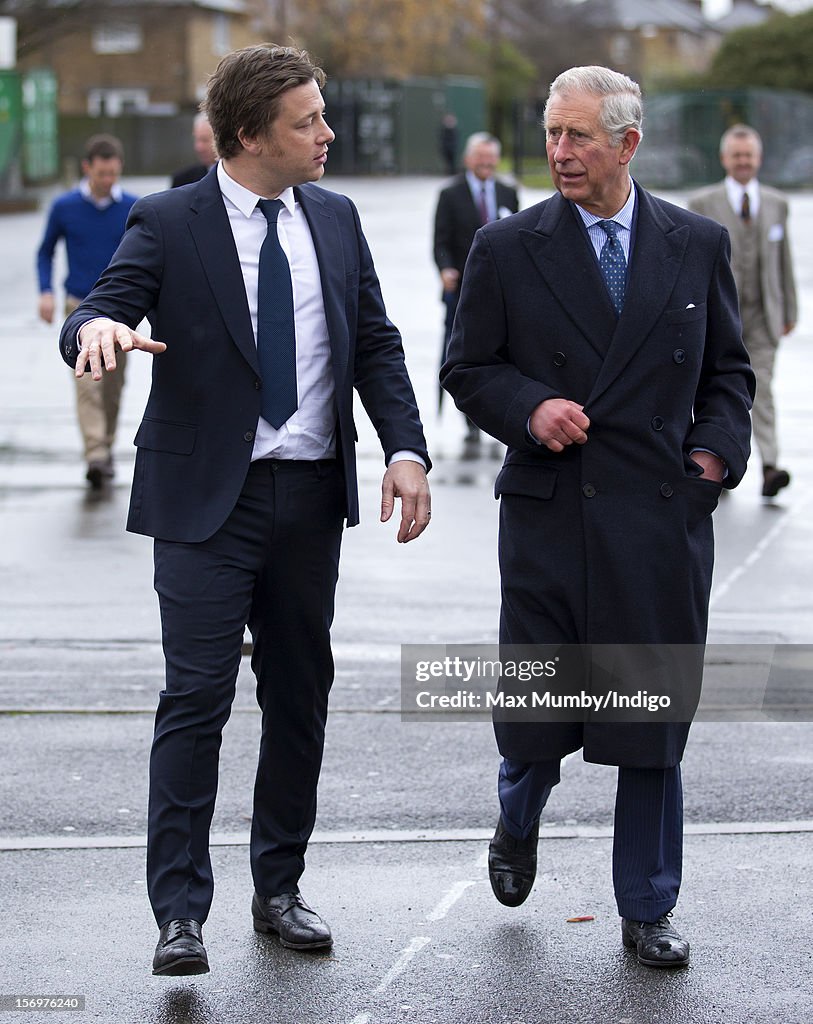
(178, 266)
(457, 220)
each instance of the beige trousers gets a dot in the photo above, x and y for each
(97, 404)
(762, 352)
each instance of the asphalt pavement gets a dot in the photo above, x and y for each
(397, 864)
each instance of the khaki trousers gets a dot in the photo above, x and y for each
(97, 404)
(762, 352)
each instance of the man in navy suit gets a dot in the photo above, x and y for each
(597, 336)
(266, 313)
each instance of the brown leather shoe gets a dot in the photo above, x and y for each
(180, 949)
(656, 943)
(290, 917)
(773, 480)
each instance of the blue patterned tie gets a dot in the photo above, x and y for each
(276, 337)
(613, 265)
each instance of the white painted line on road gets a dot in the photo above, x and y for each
(449, 900)
(395, 836)
(403, 961)
(418, 942)
(720, 591)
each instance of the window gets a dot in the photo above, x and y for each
(221, 35)
(117, 37)
(114, 102)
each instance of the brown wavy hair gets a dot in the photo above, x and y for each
(244, 91)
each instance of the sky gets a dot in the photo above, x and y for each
(717, 8)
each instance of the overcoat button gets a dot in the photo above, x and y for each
(667, 490)
(588, 491)
(657, 422)
(559, 359)
(249, 435)
(679, 356)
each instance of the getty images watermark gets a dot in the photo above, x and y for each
(606, 682)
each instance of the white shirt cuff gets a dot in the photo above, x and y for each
(406, 456)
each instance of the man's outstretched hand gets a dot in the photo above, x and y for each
(100, 339)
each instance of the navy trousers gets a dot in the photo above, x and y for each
(273, 565)
(648, 834)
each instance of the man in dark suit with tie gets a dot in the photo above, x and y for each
(473, 199)
(266, 313)
(597, 336)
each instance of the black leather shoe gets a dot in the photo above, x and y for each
(290, 917)
(657, 943)
(95, 475)
(100, 472)
(180, 949)
(773, 480)
(512, 865)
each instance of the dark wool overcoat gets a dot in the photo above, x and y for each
(610, 542)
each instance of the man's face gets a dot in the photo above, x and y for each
(102, 174)
(741, 158)
(482, 160)
(294, 149)
(584, 166)
(204, 142)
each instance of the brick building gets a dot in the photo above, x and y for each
(143, 57)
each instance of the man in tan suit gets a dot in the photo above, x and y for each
(756, 218)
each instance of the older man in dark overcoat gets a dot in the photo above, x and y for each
(598, 337)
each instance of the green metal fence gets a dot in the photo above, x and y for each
(682, 135)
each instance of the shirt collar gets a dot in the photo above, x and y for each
(477, 185)
(244, 199)
(736, 191)
(115, 196)
(623, 218)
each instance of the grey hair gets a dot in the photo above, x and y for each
(621, 107)
(481, 139)
(740, 131)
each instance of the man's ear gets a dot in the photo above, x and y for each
(629, 144)
(251, 144)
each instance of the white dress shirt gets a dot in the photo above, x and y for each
(310, 433)
(735, 191)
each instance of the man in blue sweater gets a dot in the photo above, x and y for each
(91, 219)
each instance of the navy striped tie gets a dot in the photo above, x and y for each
(276, 337)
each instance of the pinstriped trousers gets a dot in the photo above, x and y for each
(648, 832)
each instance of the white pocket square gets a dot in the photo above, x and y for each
(776, 233)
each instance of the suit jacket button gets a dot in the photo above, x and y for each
(257, 385)
(249, 435)
(589, 491)
(559, 359)
(667, 490)
(657, 422)
(679, 356)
